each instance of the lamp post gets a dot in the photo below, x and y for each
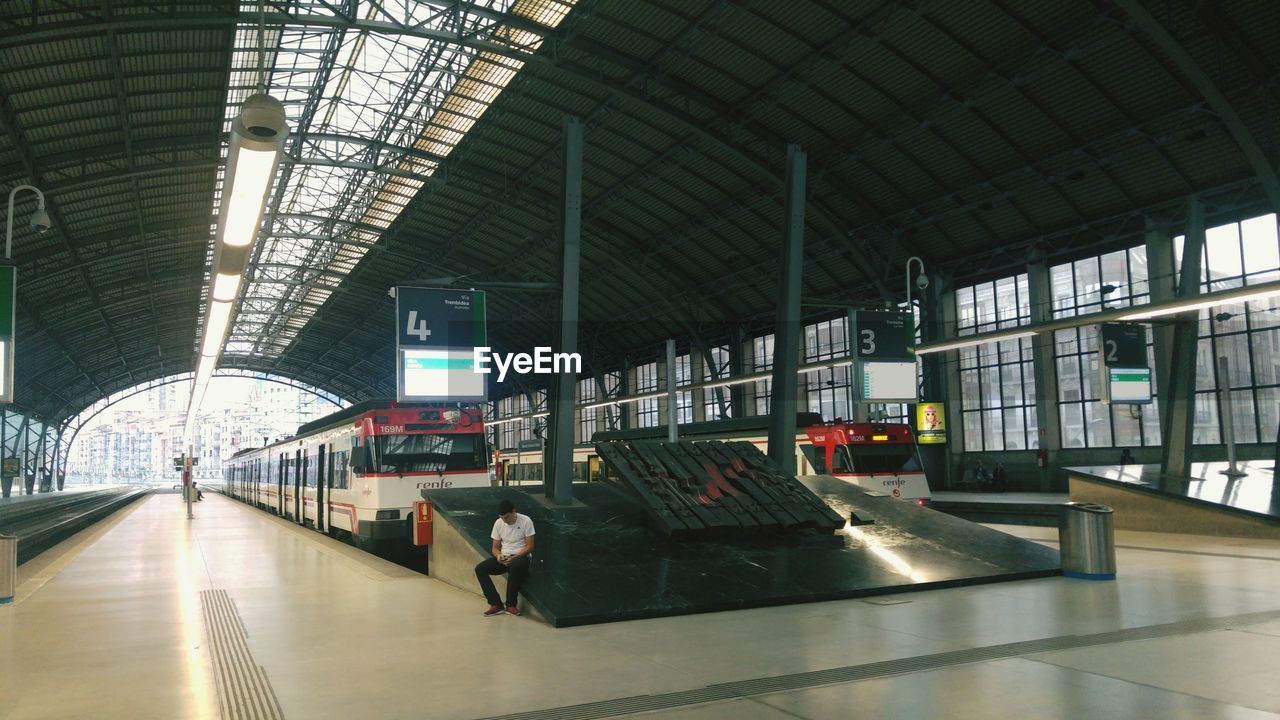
(9, 290)
(922, 280)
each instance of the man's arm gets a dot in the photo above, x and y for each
(496, 549)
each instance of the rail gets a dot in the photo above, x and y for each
(44, 521)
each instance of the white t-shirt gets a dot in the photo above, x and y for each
(513, 535)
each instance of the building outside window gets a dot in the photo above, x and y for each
(761, 361)
(1247, 334)
(646, 381)
(1091, 285)
(586, 416)
(715, 401)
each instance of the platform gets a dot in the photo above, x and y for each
(604, 563)
(1208, 502)
(1014, 508)
(132, 618)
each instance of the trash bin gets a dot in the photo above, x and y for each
(1087, 541)
(8, 567)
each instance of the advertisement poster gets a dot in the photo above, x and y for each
(931, 423)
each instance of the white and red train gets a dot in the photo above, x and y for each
(358, 471)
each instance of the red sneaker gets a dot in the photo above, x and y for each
(493, 611)
(513, 611)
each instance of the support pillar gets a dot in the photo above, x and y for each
(559, 459)
(786, 339)
(41, 467)
(673, 432)
(1177, 430)
(6, 482)
(1048, 421)
(950, 362)
(934, 369)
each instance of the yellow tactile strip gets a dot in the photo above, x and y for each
(244, 692)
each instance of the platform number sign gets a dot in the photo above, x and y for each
(884, 356)
(1126, 376)
(436, 333)
(8, 306)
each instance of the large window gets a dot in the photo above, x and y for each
(586, 416)
(1117, 279)
(762, 360)
(1247, 334)
(716, 401)
(646, 381)
(997, 381)
(684, 398)
(829, 389)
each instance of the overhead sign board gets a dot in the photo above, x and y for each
(1123, 344)
(884, 335)
(881, 382)
(1122, 350)
(8, 324)
(437, 332)
(884, 356)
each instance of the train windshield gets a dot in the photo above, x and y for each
(429, 453)
(875, 459)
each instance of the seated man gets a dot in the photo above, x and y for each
(512, 542)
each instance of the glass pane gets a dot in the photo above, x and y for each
(1015, 434)
(1011, 385)
(992, 430)
(1128, 424)
(972, 431)
(969, 398)
(990, 387)
(1261, 250)
(1266, 357)
(1222, 245)
(1206, 426)
(1072, 420)
(1097, 424)
(1138, 275)
(1236, 350)
(1242, 416)
(1151, 423)
(1205, 375)
(1069, 378)
(1268, 412)
(1264, 313)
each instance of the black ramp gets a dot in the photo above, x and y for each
(604, 562)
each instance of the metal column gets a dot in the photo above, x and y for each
(786, 338)
(934, 370)
(559, 478)
(40, 461)
(1178, 430)
(1049, 432)
(673, 432)
(6, 485)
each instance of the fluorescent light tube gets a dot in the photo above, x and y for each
(215, 328)
(248, 194)
(226, 286)
(975, 340)
(1200, 304)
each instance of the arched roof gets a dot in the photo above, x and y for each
(963, 133)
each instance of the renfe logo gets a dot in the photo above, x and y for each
(542, 362)
(896, 482)
(440, 484)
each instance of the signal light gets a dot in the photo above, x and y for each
(920, 502)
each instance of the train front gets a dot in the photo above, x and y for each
(401, 451)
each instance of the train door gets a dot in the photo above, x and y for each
(331, 465)
(281, 474)
(297, 486)
(322, 506)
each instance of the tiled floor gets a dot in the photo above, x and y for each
(112, 627)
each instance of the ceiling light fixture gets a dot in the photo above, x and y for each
(257, 137)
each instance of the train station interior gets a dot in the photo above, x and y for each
(808, 359)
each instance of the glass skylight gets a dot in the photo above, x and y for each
(373, 111)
